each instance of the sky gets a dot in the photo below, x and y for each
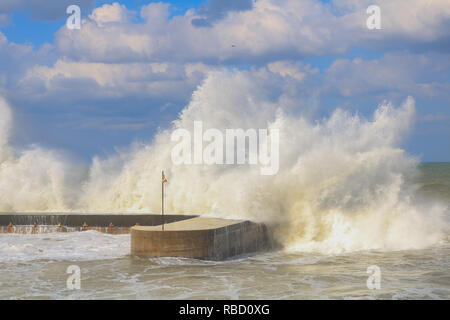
(134, 65)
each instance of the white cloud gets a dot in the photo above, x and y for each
(418, 19)
(403, 73)
(286, 68)
(17, 58)
(117, 64)
(109, 80)
(110, 13)
(270, 30)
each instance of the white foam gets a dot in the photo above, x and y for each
(73, 246)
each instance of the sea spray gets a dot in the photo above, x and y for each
(34, 179)
(341, 184)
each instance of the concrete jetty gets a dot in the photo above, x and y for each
(199, 238)
(186, 236)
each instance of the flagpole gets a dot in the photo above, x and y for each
(162, 198)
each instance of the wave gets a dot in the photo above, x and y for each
(341, 186)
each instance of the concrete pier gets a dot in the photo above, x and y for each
(199, 238)
(186, 236)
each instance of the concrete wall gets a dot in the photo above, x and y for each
(209, 244)
(28, 229)
(93, 220)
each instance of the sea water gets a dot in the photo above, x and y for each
(34, 266)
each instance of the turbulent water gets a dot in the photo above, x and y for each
(34, 267)
(346, 197)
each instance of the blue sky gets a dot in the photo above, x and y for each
(54, 77)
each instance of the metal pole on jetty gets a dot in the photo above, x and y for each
(163, 180)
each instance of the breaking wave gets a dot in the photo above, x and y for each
(342, 183)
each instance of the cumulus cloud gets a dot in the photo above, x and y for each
(413, 18)
(110, 80)
(395, 72)
(124, 69)
(17, 58)
(266, 31)
(110, 14)
(292, 83)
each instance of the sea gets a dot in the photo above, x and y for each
(40, 266)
